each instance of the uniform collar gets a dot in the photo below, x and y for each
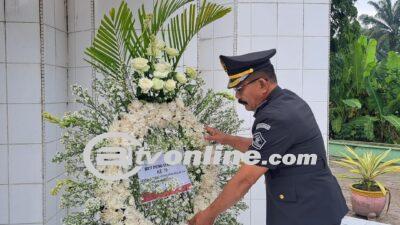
(275, 92)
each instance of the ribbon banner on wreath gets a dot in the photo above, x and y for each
(161, 180)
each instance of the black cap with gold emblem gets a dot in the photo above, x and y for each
(241, 67)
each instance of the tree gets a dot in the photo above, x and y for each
(384, 26)
(345, 28)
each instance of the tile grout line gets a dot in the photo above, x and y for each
(329, 83)
(92, 33)
(235, 31)
(42, 106)
(8, 125)
(302, 53)
(68, 72)
(68, 68)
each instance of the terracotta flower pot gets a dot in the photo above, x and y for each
(367, 202)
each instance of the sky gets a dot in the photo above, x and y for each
(364, 8)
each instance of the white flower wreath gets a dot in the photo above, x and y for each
(120, 207)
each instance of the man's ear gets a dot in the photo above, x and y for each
(264, 83)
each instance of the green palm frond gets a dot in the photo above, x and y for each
(183, 27)
(114, 43)
(162, 11)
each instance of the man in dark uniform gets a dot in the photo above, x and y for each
(284, 124)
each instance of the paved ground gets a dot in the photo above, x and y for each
(392, 181)
(356, 221)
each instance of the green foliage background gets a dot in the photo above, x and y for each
(364, 91)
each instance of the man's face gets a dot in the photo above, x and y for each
(251, 94)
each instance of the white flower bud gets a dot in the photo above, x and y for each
(171, 52)
(181, 78)
(191, 72)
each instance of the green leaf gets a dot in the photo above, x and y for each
(337, 124)
(381, 187)
(366, 123)
(376, 98)
(354, 103)
(184, 26)
(393, 61)
(162, 10)
(394, 120)
(115, 42)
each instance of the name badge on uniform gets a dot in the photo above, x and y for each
(263, 126)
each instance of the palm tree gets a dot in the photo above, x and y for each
(384, 26)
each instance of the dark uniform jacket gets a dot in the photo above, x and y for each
(296, 194)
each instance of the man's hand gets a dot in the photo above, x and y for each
(215, 135)
(233, 191)
(240, 143)
(204, 217)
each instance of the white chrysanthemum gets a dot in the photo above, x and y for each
(134, 106)
(170, 85)
(180, 103)
(145, 84)
(112, 216)
(140, 118)
(140, 64)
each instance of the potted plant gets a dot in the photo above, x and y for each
(368, 196)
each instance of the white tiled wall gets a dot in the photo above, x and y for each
(26, 203)
(55, 73)
(299, 30)
(33, 79)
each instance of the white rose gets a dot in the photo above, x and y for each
(145, 84)
(140, 64)
(159, 74)
(170, 85)
(163, 67)
(171, 52)
(181, 78)
(191, 72)
(157, 84)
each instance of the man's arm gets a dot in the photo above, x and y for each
(233, 191)
(240, 143)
